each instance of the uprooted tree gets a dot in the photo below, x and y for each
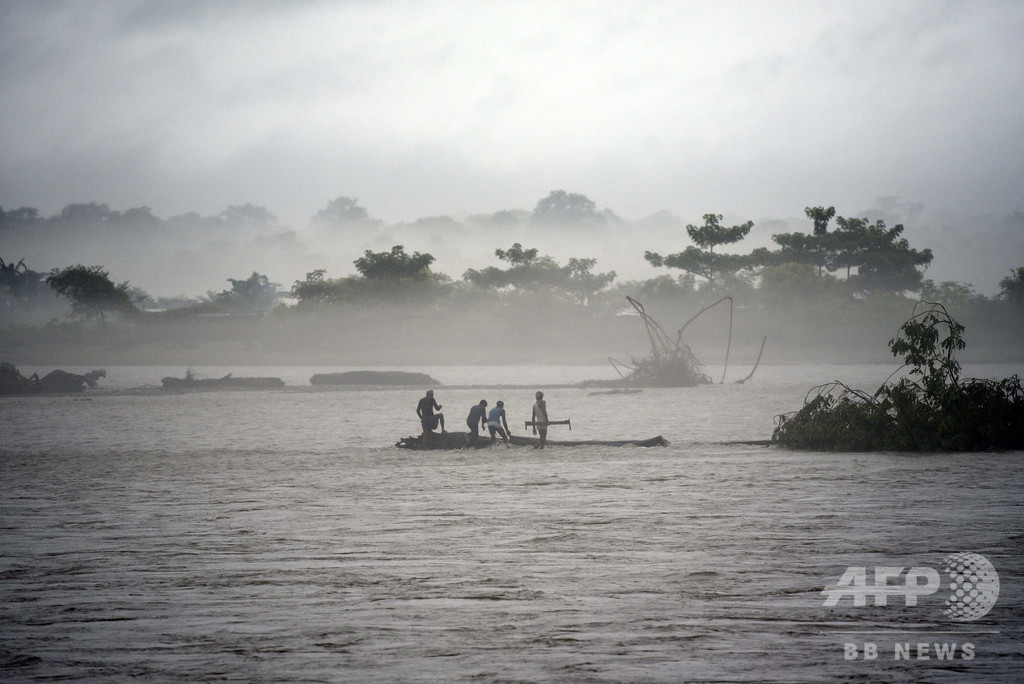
(930, 409)
(671, 362)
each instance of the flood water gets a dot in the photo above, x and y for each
(280, 536)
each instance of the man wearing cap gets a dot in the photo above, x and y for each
(540, 420)
(428, 419)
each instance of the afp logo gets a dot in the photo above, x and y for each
(973, 586)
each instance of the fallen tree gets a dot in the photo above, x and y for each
(374, 378)
(54, 382)
(932, 409)
(671, 362)
(448, 441)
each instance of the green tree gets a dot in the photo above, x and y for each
(317, 289)
(394, 265)
(702, 260)
(949, 293)
(820, 216)
(92, 294)
(18, 218)
(248, 216)
(1011, 288)
(527, 271)
(568, 209)
(582, 282)
(255, 293)
(83, 215)
(799, 248)
(343, 211)
(884, 260)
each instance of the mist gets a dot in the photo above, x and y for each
(215, 134)
(753, 110)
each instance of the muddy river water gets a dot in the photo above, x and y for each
(280, 536)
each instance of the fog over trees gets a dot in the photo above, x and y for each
(537, 282)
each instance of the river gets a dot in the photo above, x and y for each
(280, 536)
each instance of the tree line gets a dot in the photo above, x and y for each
(852, 259)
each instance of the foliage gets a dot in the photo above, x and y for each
(567, 208)
(529, 272)
(702, 260)
(255, 293)
(342, 211)
(21, 287)
(582, 283)
(17, 218)
(949, 293)
(384, 276)
(932, 409)
(795, 281)
(820, 216)
(394, 265)
(248, 216)
(91, 292)
(1012, 287)
(885, 261)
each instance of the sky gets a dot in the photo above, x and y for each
(750, 109)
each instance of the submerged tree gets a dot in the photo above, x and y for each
(932, 409)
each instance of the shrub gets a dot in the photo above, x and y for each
(931, 409)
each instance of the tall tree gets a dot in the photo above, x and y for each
(255, 293)
(820, 216)
(394, 265)
(582, 282)
(92, 293)
(527, 270)
(342, 211)
(1011, 288)
(885, 261)
(566, 208)
(248, 216)
(702, 260)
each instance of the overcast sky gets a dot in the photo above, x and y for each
(750, 109)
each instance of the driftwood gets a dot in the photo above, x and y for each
(190, 381)
(368, 377)
(449, 441)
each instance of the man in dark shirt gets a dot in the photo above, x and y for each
(428, 419)
(477, 419)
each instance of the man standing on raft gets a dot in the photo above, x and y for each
(495, 418)
(540, 420)
(428, 419)
(477, 419)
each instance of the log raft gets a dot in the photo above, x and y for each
(449, 441)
